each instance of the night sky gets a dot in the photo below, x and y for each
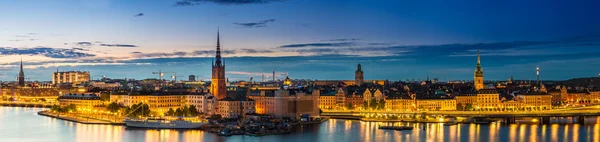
(307, 39)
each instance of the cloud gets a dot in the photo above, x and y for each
(268, 75)
(45, 51)
(256, 51)
(73, 64)
(83, 43)
(197, 53)
(223, 2)
(343, 39)
(80, 49)
(118, 45)
(139, 15)
(340, 44)
(258, 24)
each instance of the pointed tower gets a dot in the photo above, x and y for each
(358, 75)
(217, 86)
(537, 75)
(21, 78)
(478, 75)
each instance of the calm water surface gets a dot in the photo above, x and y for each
(24, 125)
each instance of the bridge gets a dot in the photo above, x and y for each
(27, 104)
(509, 116)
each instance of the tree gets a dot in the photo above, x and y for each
(365, 105)
(178, 112)
(469, 107)
(193, 111)
(104, 96)
(171, 112)
(113, 107)
(373, 104)
(349, 106)
(381, 104)
(185, 111)
(70, 108)
(138, 110)
(459, 106)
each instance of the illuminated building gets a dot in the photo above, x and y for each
(80, 100)
(465, 98)
(399, 101)
(104, 85)
(478, 75)
(217, 86)
(354, 97)
(290, 102)
(487, 99)
(232, 108)
(73, 77)
(287, 81)
(535, 101)
(161, 102)
(372, 93)
(327, 99)
(435, 104)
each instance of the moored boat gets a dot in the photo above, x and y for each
(164, 124)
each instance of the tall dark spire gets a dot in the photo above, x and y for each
(21, 77)
(218, 55)
(478, 70)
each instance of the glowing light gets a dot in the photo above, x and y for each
(534, 120)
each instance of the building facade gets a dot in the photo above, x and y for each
(84, 101)
(230, 108)
(535, 101)
(290, 103)
(73, 77)
(487, 99)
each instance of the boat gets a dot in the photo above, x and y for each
(164, 124)
(450, 124)
(397, 128)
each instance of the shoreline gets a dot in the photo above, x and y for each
(43, 113)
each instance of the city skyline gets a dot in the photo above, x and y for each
(393, 44)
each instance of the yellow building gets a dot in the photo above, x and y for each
(373, 93)
(437, 104)
(87, 101)
(535, 101)
(399, 102)
(487, 99)
(230, 108)
(465, 98)
(161, 102)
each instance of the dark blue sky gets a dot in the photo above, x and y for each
(314, 39)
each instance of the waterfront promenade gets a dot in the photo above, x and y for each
(84, 119)
(564, 112)
(27, 104)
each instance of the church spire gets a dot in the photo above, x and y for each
(478, 57)
(218, 54)
(21, 77)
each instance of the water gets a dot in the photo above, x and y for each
(24, 125)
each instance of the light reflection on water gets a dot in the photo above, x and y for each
(24, 125)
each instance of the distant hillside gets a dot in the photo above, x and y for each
(584, 82)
